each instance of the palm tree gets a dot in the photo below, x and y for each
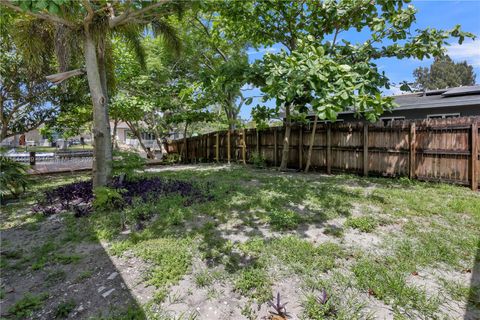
(86, 27)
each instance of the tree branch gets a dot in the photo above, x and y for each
(58, 78)
(127, 14)
(43, 16)
(208, 34)
(90, 12)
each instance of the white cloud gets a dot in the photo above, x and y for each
(469, 51)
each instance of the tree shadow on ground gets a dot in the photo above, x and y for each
(473, 304)
(52, 271)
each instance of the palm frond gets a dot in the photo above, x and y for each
(162, 28)
(132, 34)
(36, 50)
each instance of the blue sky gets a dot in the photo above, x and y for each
(431, 13)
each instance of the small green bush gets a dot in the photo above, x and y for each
(171, 158)
(13, 178)
(258, 160)
(364, 224)
(284, 219)
(141, 211)
(107, 198)
(126, 163)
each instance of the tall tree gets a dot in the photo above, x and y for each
(222, 62)
(26, 97)
(92, 23)
(444, 73)
(330, 23)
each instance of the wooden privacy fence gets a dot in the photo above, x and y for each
(443, 150)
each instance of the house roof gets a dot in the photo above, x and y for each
(459, 96)
(451, 97)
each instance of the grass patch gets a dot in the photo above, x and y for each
(64, 308)
(253, 282)
(67, 258)
(319, 308)
(25, 307)
(303, 256)
(284, 219)
(386, 282)
(364, 224)
(54, 277)
(171, 259)
(83, 276)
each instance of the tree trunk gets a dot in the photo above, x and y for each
(184, 145)
(102, 146)
(286, 139)
(114, 135)
(137, 133)
(310, 144)
(4, 131)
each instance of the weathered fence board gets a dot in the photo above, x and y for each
(431, 149)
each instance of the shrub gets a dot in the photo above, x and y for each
(171, 158)
(364, 224)
(79, 196)
(13, 177)
(258, 160)
(107, 198)
(284, 219)
(125, 163)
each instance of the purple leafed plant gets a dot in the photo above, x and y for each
(78, 196)
(323, 298)
(279, 307)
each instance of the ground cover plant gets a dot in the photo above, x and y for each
(217, 242)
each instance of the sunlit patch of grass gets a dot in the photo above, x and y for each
(253, 282)
(364, 223)
(386, 282)
(456, 289)
(284, 219)
(303, 256)
(170, 259)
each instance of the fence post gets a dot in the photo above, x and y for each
(258, 141)
(208, 146)
(33, 158)
(412, 138)
(474, 156)
(186, 150)
(275, 146)
(217, 145)
(300, 148)
(329, 149)
(244, 146)
(228, 146)
(365, 149)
